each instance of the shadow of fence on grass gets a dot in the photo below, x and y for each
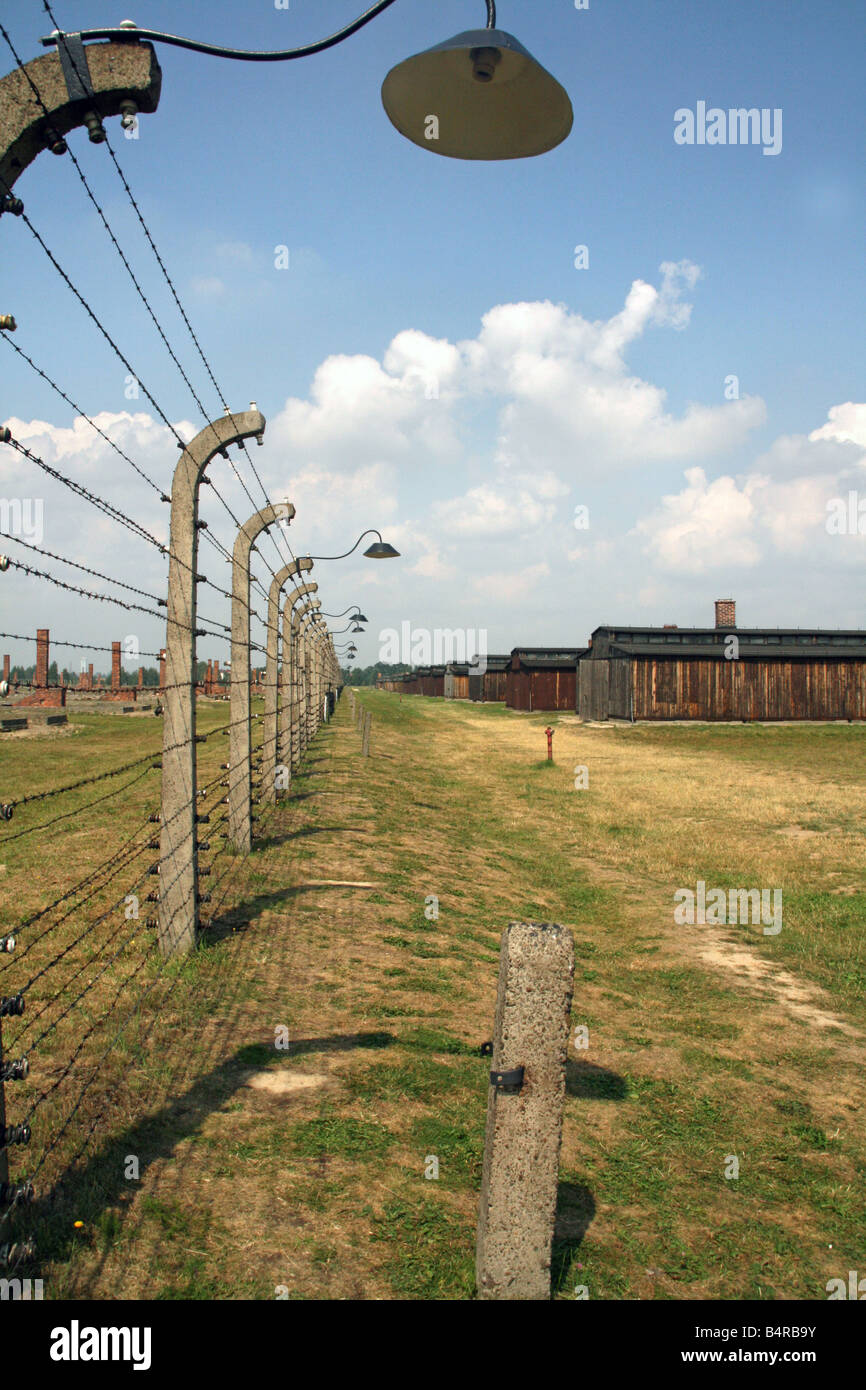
(99, 1185)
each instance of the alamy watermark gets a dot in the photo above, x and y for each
(847, 516)
(736, 126)
(734, 906)
(422, 647)
(23, 516)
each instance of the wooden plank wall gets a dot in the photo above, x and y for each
(542, 689)
(748, 689)
(592, 701)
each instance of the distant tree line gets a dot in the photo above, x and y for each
(366, 675)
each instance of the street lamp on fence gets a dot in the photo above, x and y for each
(357, 615)
(478, 95)
(379, 550)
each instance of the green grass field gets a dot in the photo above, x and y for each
(300, 1173)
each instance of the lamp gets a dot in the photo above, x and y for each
(380, 550)
(480, 95)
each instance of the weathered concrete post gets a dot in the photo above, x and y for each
(178, 905)
(365, 737)
(240, 833)
(313, 712)
(296, 678)
(37, 107)
(524, 1112)
(286, 752)
(269, 731)
(304, 665)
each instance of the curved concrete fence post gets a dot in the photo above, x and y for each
(240, 773)
(287, 675)
(296, 688)
(304, 671)
(306, 666)
(269, 735)
(123, 77)
(318, 632)
(178, 893)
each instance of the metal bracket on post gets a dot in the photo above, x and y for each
(73, 60)
(511, 1082)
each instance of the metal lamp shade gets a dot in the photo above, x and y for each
(488, 95)
(381, 550)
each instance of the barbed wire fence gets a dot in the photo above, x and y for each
(85, 956)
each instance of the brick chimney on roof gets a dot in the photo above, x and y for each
(726, 612)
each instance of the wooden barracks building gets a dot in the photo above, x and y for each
(704, 673)
(723, 672)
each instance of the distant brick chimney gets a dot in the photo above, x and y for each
(726, 612)
(671, 627)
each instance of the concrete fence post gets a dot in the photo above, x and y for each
(178, 883)
(305, 664)
(296, 675)
(278, 718)
(37, 108)
(365, 745)
(270, 740)
(240, 771)
(524, 1112)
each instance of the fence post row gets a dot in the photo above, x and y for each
(240, 779)
(306, 713)
(277, 723)
(178, 905)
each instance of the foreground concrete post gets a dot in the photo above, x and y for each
(240, 773)
(269, 729)
(178, 881)
(524, 1121)
(365, 744)
(117, 73)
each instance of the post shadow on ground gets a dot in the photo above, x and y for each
(590, 1082)
(270, 841)
(99, 1184)
(575, 1204)
(575, 1208)
(239, 918)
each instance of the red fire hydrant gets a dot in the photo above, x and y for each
(549, 733)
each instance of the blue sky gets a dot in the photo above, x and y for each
(478, 485)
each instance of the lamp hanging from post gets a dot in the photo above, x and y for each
(379, 550)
